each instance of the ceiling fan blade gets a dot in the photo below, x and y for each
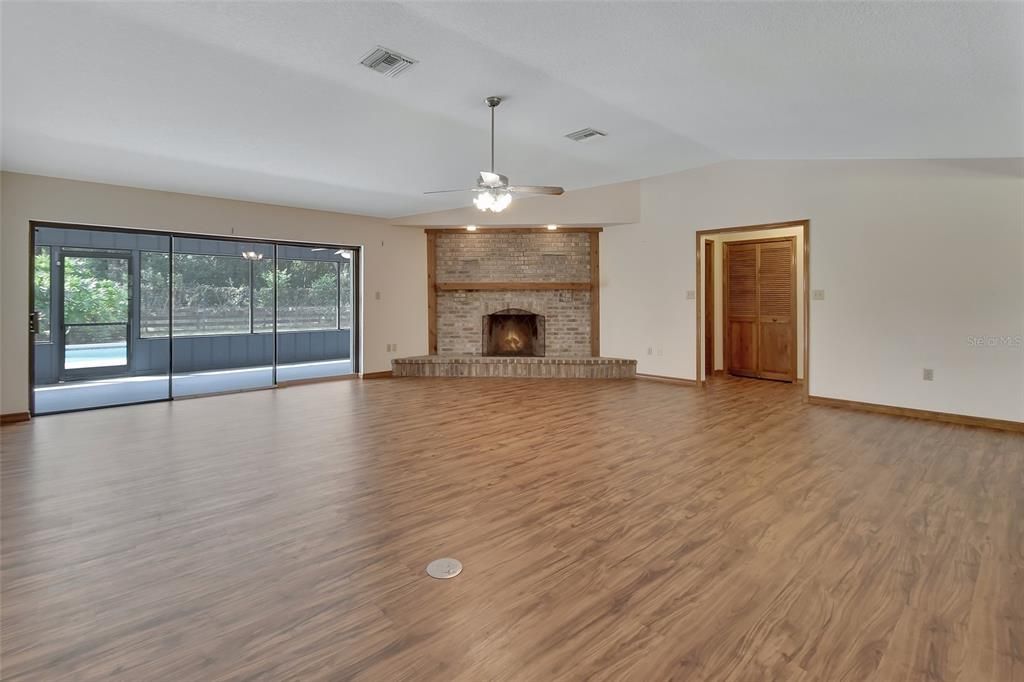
(536, 189)
(492, 180)
(446, 191)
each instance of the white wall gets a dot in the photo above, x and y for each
(915, 258)
(394, 257)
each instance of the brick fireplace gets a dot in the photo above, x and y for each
(543, 273)
(519, 302)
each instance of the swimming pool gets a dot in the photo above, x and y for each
(83, 355)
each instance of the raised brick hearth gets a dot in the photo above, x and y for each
(539, 368)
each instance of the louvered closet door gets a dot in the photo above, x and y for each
(741, 309)
(776, 302)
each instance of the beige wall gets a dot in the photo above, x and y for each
(720, 239)
(916, 258)
(394, 258)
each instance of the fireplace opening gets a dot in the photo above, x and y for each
(513, 332)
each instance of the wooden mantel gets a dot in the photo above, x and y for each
(512, 286)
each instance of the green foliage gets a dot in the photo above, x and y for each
(41, 276)
(211, 293)
(95, 290)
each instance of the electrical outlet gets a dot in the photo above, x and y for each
(394, 347)
(660, 353)
(376, 295)
(650, 350)
(928, 374)
(817, 294)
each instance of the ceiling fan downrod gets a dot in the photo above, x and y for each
(493, 103)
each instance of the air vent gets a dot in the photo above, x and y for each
(387, 62)
(585, 134)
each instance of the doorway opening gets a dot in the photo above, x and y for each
(760, 326)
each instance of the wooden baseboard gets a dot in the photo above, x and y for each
(947, 417)
(377, 375)
(15, 417)
(667, 380)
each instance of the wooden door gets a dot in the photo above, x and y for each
(776, 310)
(740, 287)
(760, 286)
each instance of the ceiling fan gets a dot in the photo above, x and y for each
(493, 193)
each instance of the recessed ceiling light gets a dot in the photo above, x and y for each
(552, 227)
(471, 228)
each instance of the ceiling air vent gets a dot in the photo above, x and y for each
(585, 134)
(387, 62)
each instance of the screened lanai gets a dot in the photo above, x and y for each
(125, 316)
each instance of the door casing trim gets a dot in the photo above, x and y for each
(805, 224)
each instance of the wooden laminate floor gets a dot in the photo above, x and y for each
(609, 530)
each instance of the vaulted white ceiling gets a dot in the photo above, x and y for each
(268, 102)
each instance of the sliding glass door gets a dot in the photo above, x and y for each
(124, 316)
(314, 312)
(93, 299)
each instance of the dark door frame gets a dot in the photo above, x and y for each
(805, 224)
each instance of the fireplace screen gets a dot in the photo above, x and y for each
(513, 332)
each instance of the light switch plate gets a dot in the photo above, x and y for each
(817, 294)
(691, 294)
(928, 374)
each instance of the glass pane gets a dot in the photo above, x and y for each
(223, 296)
(211, 295)
(314, 304)
(95, 346)
(154, 294)
(95, 289)
(41, 278)
(307, 295)
(263, 293)
(345, 296)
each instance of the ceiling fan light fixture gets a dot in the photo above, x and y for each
(493, 191)
(501, 202)
(484, 201)
(492, 200)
